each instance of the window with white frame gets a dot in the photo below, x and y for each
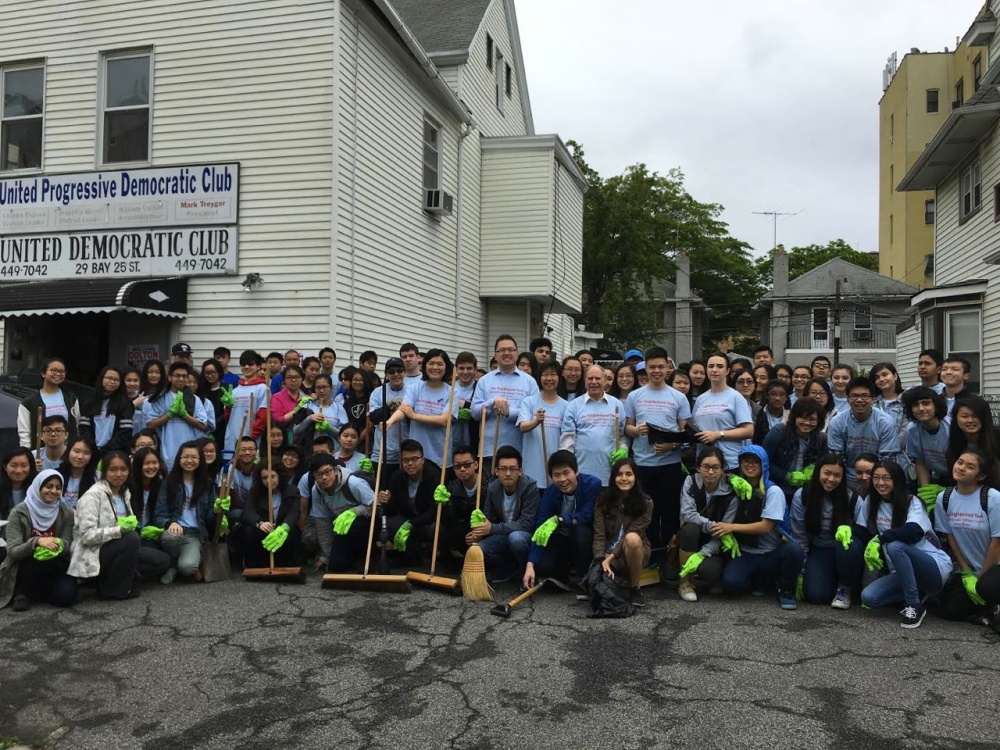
(498, 72)
(863, 317)
(432, 155)
(820, 327)
(971, 199)
(126, 110)
(22, 114)
(963, 338)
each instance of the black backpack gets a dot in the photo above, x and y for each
(606, 598)
(346, 488)
(984, 498)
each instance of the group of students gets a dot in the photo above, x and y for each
(728, 476)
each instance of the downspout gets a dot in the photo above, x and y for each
(331, 321)
(459, 222)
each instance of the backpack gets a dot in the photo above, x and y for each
(346, 487)
(606, 598)
(984, 498)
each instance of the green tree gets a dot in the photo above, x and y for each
(634, 224)
(803, 259)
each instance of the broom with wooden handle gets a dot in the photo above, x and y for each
(215, 554)
(474, 584)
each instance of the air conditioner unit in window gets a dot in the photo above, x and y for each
(863, 335)
(438, 202)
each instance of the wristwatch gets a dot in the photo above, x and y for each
(722, 434)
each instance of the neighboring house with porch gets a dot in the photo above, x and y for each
(681, 315)
(960, 313)
(798, 317)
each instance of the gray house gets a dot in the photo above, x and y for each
(798, 317)
(681, 315)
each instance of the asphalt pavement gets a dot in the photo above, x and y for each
(266, 666)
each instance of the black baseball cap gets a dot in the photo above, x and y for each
(394, 362)
(181, 348)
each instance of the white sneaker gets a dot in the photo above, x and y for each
(686, 592)
(842, 599)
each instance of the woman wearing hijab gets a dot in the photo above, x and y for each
(39, 534)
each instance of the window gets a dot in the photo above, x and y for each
(432, 156)
(126, 108)
(499, 81)
(929, 211)
(928, 337)
(489, 52)
(820, 328)
(863, 317)
(928, 270)
(508, 82)
(959, 93)
(892, 227)
(996, 202)
(977, 72)
(892, 127)
(971, 199)
(962, 338)
(22, 105)
(932, 100)
(892, 178)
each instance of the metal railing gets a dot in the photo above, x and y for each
(876, 338)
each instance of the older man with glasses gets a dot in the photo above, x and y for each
(862, 429)
(51, 400)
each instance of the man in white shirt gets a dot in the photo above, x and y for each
(588, 428)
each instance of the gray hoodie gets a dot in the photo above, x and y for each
(693, 489)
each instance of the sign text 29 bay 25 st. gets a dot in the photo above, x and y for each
(191, 251)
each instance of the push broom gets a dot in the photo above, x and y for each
(271, 573)
(381, 582)
(450, 585)
(215, 554)
(475, 588)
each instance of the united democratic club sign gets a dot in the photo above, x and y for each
(171, 221)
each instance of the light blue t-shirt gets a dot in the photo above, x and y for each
(354, 462)
(397, 432)
(515, 387)
(726, 410)
(50, 463)
(430, 402)
(104, 426)
(914, 514)
(334, 414)
(189, 512)
(825, 536)
(840, 403)
(532, 460)
(930, 446)
(71, 491)
(592, 423)
(175, 431)
(18, 495)
(967, 526)
(120, 508)
(665, 408)
(849, 438)
(509, 504)
(774, 510)
(55, 404)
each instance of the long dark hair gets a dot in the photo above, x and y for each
(89, 475)
(106, 463)
(153, 392)
(532, 363)
(825, 385)
(987, 468)
(813, 495)
(116, 398)
(430, 354)
(616, 390)
(204, 388)
(581, 385)
(804, 407)
(136, 481)
(6, 487)
(258, 492)
(988, 442)
(215, 467)
(175, 479)
(876, 369)
(634, 504)
(899, 500)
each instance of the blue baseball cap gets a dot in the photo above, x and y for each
(633, 353)
(640, 366)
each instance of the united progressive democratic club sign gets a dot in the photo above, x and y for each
(170, 221)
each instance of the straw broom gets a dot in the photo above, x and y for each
(475, 588)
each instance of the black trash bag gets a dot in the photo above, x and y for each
(606, 598)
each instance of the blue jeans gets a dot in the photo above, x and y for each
(505, 554)
(830, 567)
(782, 563)
(914, 572)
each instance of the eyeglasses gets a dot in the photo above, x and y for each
(745, 381)
(860, 396)
(56, 372)
(394, 371)
(465, 465)
(507, 469)
(324, 472)
(411, 460)
(53, 431)
(710, 468)
(881, 479)
(506, 350)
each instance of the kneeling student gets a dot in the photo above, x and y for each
(185, 511)
(764, 555)
(510, 507)
(565, 534)
(343, 498)
(282, 536)
(706, 499)
(409, 503)
(621, 517)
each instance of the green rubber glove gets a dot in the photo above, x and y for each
(273, 541)
(693, 563)
(685, 470)
(730, 545)
(302, 403)
(796, 478)
(543, 532)
(873, 554)
(807, 472)
(741, 487)
(929, 495)
(366, 464)
(465, 415)
(619, 454)
(969, 581)
(844, 535)
(800, 586)
(221, 503)
(399, 541)
(441, 494)
(128, 523)
(343, 522)
(324, 426)
(226, 399)
(44, 554)
(478, 518)
(177, 406)
(224, 526)
(151, 532)
(182, 411)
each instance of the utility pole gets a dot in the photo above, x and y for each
(836, 326)
(775, 215)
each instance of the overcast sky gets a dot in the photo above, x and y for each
(765, 106)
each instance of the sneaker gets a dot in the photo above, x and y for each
(21, 603)
(686, 592)
(167, 578)
(913, 616)
(842, 599)
(636, 597)
(787, 600)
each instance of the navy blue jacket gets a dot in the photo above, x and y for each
(781, 452)
(587, 490)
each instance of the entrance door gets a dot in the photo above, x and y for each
(820, 328)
